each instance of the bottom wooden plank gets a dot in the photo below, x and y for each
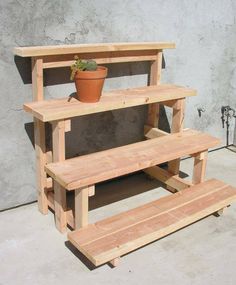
(115, 236)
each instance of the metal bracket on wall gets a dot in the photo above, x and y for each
(227, 113)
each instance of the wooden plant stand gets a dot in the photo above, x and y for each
(107, 240)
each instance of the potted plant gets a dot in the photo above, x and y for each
(89, 79)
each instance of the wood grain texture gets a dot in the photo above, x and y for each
(96, 167)
(199, 168)
(176, 126)
(81, 207)
(60, 207)
(115, 236)
(89, 48)
(168, 178)
(155, 79)
(58, 154)
(65, 108)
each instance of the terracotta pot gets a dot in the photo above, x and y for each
(89, 84)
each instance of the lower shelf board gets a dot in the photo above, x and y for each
(115, 236)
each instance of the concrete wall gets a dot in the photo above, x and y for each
(205, 58)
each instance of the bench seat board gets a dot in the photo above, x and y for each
(97, 167)
(122, 233)
(90, 48)
(57, 109)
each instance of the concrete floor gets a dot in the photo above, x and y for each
(33, 252)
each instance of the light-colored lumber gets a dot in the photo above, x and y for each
(168, 178)
(81, 207)
(151, 133)
(39, 137)
(91, 190)
(115, 262)
(58, 140)
(60, 207)
(67, 125)
(115, 236)
(96, 167)
(89, 48)
(37, 78)
(176, 126)
(57, 61)
(199, 168)
(58, 153)
(41, 176)
(155, 79)
(65, 108)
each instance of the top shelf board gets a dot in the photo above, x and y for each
(38, 51)
(58, 109)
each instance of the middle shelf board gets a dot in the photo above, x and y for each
(58, 109)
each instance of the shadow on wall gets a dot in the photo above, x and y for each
(99, 131)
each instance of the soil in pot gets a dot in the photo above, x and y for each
(89, 84)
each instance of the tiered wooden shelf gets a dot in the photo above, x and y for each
(115, 236)
(107, 240)
(97, 167)
(57, 109)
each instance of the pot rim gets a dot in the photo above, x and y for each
(101, 72)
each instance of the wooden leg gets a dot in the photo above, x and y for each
(60, 207)
(58, 154)
(220, 212)
(41, 177)
(177, 126)
(81, 207)
(115, 262)
(199, 169)
(155, 78)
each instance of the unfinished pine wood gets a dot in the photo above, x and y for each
(151, 133)
(58, 153)
(89, 48)
(96, 167)
(176, 126)
(168, 178)
(91, 190)
(115, 262)
(56, 61)
(39, 137)
(58, 109)
(81, 207)
(199, 168)
(155, 79)
(41, 176)
(37, 78)
(115, 236)
(60, 207)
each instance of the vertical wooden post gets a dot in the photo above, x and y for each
(177, 126)
(199, 169)
(58, 153)
(60, 207)
(39, 137)
(155, 78)
(81, 207)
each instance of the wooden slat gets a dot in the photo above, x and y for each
(56, 61)
(168, 178)
(70, 107)
(89, 48)
(151, 133)
(113, 237)
(93, 168)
